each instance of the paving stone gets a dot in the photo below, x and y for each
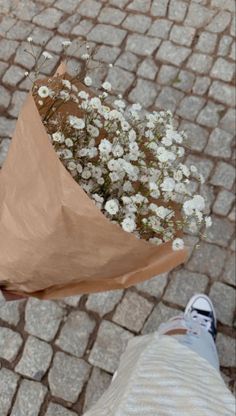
(226, 4)
(140, 308)
(23, 58)
(182, 35)
(220, 232)
(29, 399)
(168, 99)
(190, 106)
(224, 45)
(13, 75)
(103, 302)
(52, 65)
(207, 42)
(107, 34)
(142, 45)
(107, 54)
(10, 344)
(167, 74)
(228, 121)
(3, 67)
(219, 144)
(223, 202)
(8, 385)
(110, 343)
(137, 23)
(223, 70)
(208, 194)
(184, 285)
(155, 286)
(204, 166)
(97, 385)
(159, 7)
(144, 92)
(232, 215)
(35, 360)
(184, 81)
(199, 63)
(111, 15)
(41, 35)
(229, 274)
(55, 44)
(67, 377)
(226, 349)
(83, 28)
(168, 52)
(42, 318)
(140, 5)
(160, 314)
(10, 311)
(224, 175)
(160, 28)
(89, 8)
(55, 409)
(27, 10)
(232, 27)
(223, 298)
(118, 3)
(208, 259)
(209, 116)
(17, 101)
(120, 79)
(219, 22)
(7, 49)
(6, 129)
(233, 245)
(75, 333)
(19, 31)
(72, 300)
(148, 69)
(201, 85)
(68, 6)
(128, 60)
(4, 146)
(67, 25)
(49, 18)
(177, 10)
(223, 93)
(5, 98)
(198, 16)
(6, 24)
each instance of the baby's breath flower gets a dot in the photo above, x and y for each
(69, 142)
(85, 56)
(106, 86)
(29, 39)
(178, 244)
(76, 123)
(58, 137)
(66, 43)
(208, 222)
(112, 206)
(88, 81)
(128, 225)
(71, 166)
(47, 55)
(43, 91)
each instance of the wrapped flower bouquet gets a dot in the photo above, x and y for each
(94, 194)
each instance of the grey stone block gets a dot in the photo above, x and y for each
(128, 60)
(137, 23)
(110, 344)
(183, 285)
(139, 5)
(35, 360)
(55, 409)
(201, 85)
(229, 274)
(228, 121)
(49, 18)
(167, 74)
(184, 81)
(160, 314)
(200, 63)
(89, 8)
(132, 312)
(168, 52)
(10, 311)
(226, 348)
(120, 79)
(159, 8)
(219, 144)
(142, 45)
(104, 302)
(75, 333)
(198, 16)
(148, 69)
(220, 232)
(204, 166)
(155, 286)
(160, 28)
(29, 399)
(224, 175)
(111, 15)
(107, 34)
(209, 116)
(42, 318)
(144, 92)
(207, 42)
(219, 22)
(223, 298)
(8, 385)
(208, 259)
(190, 106)
(182, 35)
(97, 385)
(10, 344)
(223, 93)
(168, 99)
(223, 202)
(68, 376)
(5, 98)
(223, 69)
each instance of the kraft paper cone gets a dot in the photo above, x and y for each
(54, 242)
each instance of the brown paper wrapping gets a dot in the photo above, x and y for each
(54, 242)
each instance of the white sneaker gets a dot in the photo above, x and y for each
(201, 309)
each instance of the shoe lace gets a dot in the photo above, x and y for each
(203, 320)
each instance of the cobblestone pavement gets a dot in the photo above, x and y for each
(58, 357)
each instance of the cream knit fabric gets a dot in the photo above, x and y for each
(158, 376)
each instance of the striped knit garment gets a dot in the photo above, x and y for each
(158, 376)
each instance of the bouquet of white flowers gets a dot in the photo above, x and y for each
(130, 164)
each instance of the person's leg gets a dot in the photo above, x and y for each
(196, 328)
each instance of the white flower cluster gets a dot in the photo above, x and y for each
(130, 166)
